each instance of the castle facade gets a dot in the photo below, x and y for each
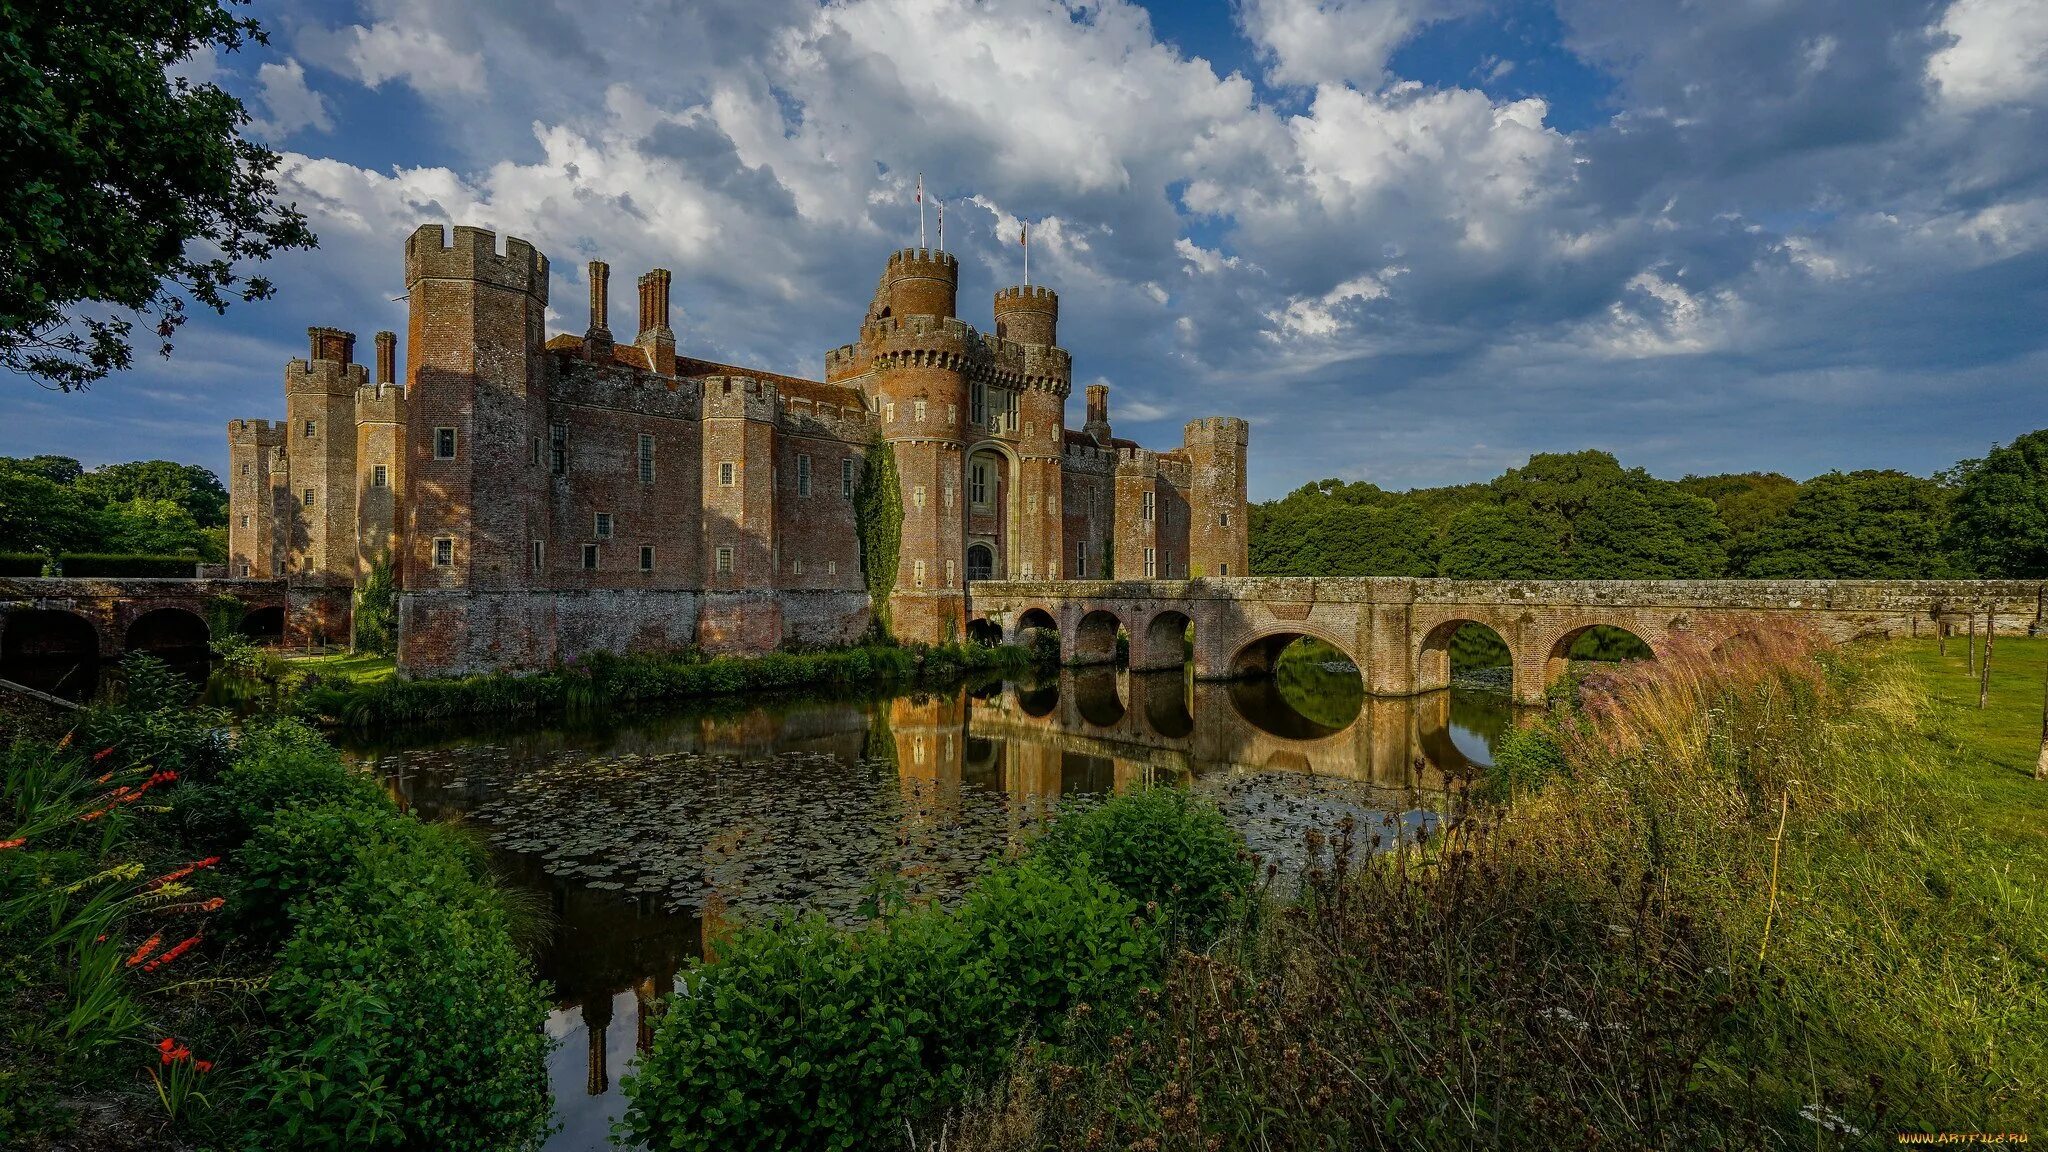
(537, 499)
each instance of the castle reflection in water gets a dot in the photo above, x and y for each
(1012, 748)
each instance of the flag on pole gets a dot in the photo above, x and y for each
(1024, 242)
(942, 225)
(920, 209)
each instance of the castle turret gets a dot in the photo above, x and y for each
(1028, 314)
(1218, 523)
(656, 337)
(919, 282)
(739, 433)
(257, 513)
(476, 477)
(380, 463)
(320, 418)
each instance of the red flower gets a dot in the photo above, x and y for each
(166, 1044)
(143, 952)
(102, 754)
(203, 1065)
(181, 873)
(14, 843)
(177, 950)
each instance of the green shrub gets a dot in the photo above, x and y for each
(105, 564)
(1164, 846)
(304, 851)
(152, 720)
(278, 765)
(802, 1036)
(404, 1019)
(1525, 759)
(22, 563)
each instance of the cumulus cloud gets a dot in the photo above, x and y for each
(290, 105)
(1998, 52)
(407, 48)
(1311, 42)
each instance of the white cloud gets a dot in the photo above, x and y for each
(290, 103)
(405, 49)
(1311, 42)
(1999, 52)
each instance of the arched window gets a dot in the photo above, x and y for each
(981, 562)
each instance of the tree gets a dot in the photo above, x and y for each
(1999, 511)
(1651, 531)
(197, 490)
(150, 526)
(39, 515)
(56, 469)
(1747, 503)
(128, 190)
(1871, 525)
(1488, 542)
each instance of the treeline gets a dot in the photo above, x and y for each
(54, 506)
(1582, 515)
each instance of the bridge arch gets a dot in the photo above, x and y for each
(50, 650)
(264, 625)
(1557, 658)
(1097, 699)
(984, 631)
(1434, 656)
(1095, 637)
(175, 635)
(1257, 654)
(1163, 643)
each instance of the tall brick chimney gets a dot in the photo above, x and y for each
(331, 344)
(597, 339)
(655, 335)
(1098, 414)
(387, 358)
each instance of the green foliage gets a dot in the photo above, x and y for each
(188, 487)
(277, 765)
(145, 526)
(130, 188)
(405, 1018)
(375, 620)
(2000, 510)
(1525, 758)
(302, 851)
(1869, 525)
(878, 519)
(802, 1036)
(1162, 846)
(115, 564)
(152, 720)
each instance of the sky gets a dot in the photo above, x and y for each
(1412, 241)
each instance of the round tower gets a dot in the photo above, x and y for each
(918, 282)
(1028, 314)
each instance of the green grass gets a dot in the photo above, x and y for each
(1992, 751)
(354, 667)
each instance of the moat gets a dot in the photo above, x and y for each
(634, 833)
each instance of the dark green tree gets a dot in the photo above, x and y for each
(1648, 531)
(1489, 542)
(147, 525)
(129, 190)
(56, 469)
(40, 515)
(1882, 525)
(197, 490)
(1999, 522)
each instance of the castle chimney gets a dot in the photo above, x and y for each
(1098, 414)
(655, 335)
(597, 341)
(387, 358)
(331, 344)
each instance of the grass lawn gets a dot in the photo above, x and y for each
(356, 668)
(1993, 749)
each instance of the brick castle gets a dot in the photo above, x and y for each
(542, 498)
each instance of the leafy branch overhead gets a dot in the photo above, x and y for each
(131, 190)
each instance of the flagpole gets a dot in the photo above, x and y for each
(1027, 255)
(942, 225)
(920, 209)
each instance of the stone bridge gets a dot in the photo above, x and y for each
(54, 632)
(1398, 630)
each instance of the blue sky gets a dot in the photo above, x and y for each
(1412, 241)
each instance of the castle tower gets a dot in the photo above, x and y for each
(476, 428)
(918, 356)
(1028, 315)
(320, 443)
(1097, 426)
(380, 463)
(739, 422)
(256, 512)
(1218, 519)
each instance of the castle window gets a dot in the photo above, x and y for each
(796, 567)
(558, 449)
(540, 555)
(1150, 507)
(831, 567)
(277, 567)
(977, 484)
(444, 551)
(534, 457)
(1168, 570)
(307, 498)
(245, 519)
(602, 529)
(646, 458)
(590, 557)
(1223, 569)
(952, 415)
(1009, 413)
(647, 558)
(380, 476)
(947, 495)
(1223, 519)
(949, 574)
(916, 496)
(243, 570)
(919, 407)
(725, 558)
(977, 404)
(846, 477)
(918, 569)
(889, 412)
(312, 429)
(245, 469)
(1080, 558)
(1027, 569)
(444, 443)
(1151, 564)
(803, 475)
(725, 474)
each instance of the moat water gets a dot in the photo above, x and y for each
(635, 831)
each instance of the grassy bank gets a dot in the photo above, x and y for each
(1786, 899)
(216, 940)
(361, 693)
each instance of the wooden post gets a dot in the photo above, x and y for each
(1984, 675)
(1940, 634)
(1973, 641)
(2041, 762)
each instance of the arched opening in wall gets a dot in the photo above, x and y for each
(173, 635)
(264, 625)
(1168, 641)
(1086, 775)
(1096, 697)
(1038, 631)
(1456, 731)
(982, 763)
(1095, 639)
(1162, 697)
(984, 631)
(1467, 651)
(1594, 644)
(50, 651)
(981, 562)
(1039, 700)
(1296, 686)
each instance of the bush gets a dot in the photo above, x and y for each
(802, 1036)
(106, 564)
(405, 1019)
(278, 765)
(153, 720)
(1525, 759)
(21, 563)
(302, 852)
(1163, 846)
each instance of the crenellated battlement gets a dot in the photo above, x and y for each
(325, 378)
(742, 397)
(258, 433)
(380, 404)
(473, 254)
(1228, 429)
(924, 262)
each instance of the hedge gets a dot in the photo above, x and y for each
(114, 564)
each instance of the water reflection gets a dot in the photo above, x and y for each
(636, 831)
